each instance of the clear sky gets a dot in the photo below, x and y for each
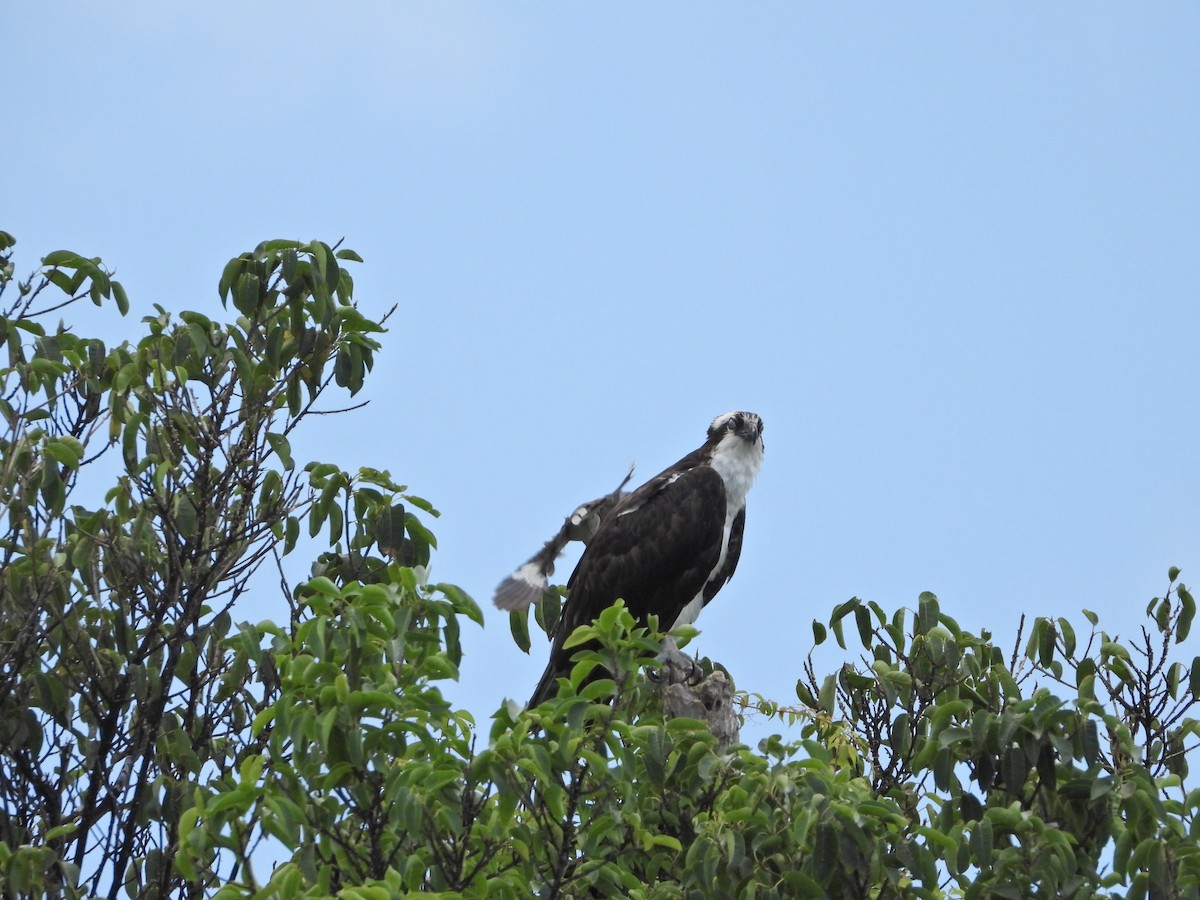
(949, 252)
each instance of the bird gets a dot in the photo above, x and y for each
(527, 584)
(669, 546)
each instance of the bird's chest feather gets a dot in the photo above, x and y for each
(737, 462)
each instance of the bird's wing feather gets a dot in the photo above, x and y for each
(732, 555)
(654, 550)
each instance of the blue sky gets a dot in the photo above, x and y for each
(949, 252)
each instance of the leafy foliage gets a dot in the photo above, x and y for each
(1033, 794)
(143, 486)
(152, 745)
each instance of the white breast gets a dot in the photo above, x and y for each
(737, 462)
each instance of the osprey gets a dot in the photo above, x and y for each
(668, 547)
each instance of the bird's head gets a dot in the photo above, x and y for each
(738, 424)
(736, 447)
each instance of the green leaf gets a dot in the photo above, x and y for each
(246, 294)
(1187, 613)
(835, 621)
(1046, 644)
(62, 281)
(1091, 742)
(60, 258)
(1162, 615)
(418, 531)
(518, 624)
(953, 735)
(324, 586)
(805, 695)
(928, 612)
(343, 368)
(826, 699)
(184, 512)
(1174, 672)
(274, 246)
(386, 528)
(862, 617)
(64, 452)
(1013, 768)
(121, 298)
(462, 601)
(943, 769)
(232, 270)
(970, 807)
(1068, 637)
(282, 448)
(819, 633)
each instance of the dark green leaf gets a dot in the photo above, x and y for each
(1174, 673)
(862, 617)
(119, 295)
(981, 843)
(1013, 768)
(1067, 633)
(388, 529)
(835, 621)
(518, 624)
(928, 612)
(970, 808)
(1187, 613)
(1091, 742)
(233, 268)
(819, 633)
(246, 294)
(1046, 643)
(943, 769)
(418, 531)
(805, 694)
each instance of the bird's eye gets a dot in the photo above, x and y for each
(734, 423)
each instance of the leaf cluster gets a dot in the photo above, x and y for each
(141, 488)
(1016, 789)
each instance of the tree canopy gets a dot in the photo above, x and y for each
(155, 744)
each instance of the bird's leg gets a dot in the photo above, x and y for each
(675, 666)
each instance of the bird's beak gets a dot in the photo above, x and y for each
(752, 433)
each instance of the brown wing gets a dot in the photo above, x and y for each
(654, 551)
